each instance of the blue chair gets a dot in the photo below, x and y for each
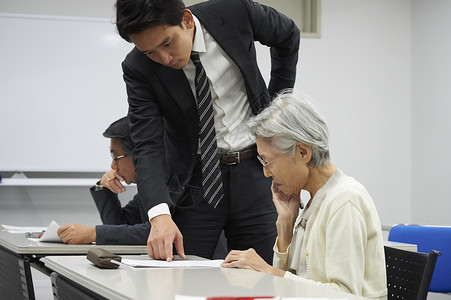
(428, 238)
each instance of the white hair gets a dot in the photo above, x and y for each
(290, 119)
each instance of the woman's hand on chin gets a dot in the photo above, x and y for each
(287, 205)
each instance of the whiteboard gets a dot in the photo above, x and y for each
(61, 87)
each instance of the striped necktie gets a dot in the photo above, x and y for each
(211, 171)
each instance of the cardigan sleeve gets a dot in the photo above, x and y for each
(280, 259)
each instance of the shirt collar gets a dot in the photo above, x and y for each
(199, 42)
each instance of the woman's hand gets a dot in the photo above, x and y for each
(287, 209)
(287, 205)
(249, 259)
(112, 181)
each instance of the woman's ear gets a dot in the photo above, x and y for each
(304, 151)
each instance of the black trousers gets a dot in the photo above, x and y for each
(246, 213)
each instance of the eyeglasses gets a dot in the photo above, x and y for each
(266, 164)
(115, 159)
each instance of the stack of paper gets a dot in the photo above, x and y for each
(23, 229)
(46, 234)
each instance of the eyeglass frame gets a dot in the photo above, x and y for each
(115, 159)
(266, 164)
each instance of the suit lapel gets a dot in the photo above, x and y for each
(178, 87)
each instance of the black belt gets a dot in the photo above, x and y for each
(233, 158)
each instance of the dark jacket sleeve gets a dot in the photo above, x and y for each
(122, 234)
(126, 225)
(111, 211)
(280, 33)
(163, 134)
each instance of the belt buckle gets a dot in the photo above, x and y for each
(237, 155)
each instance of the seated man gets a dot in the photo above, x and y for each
(127, 225)
(122, 225)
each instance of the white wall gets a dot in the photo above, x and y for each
(74, 8)
(380, 74)
(358, 76)
(431, 111)
(61, 87)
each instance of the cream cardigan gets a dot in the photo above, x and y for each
(345, 245)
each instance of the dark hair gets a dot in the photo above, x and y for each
(120, 130)
(135, 16)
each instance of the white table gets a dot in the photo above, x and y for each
(17, 254)
(163, 284)
(25, 253)
(19, 244)
(403, 246)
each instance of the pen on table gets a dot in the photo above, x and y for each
(34, 234)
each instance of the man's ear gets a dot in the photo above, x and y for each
(304, 151)
(188, 18)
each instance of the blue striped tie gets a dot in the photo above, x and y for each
(211, 171)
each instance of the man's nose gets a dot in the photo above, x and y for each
(165, 58)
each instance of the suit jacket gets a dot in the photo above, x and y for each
(162, 108)
(126, 225)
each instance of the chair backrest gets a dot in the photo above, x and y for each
(409, 273)
(429, 238)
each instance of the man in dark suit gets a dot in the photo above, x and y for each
(163, 86)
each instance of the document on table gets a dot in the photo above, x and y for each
(47, 234)
(153, 263)
(50, 235)
(23, 229)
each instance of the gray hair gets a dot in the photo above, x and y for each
(290, 119)
(120, 129)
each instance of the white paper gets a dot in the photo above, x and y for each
(51, 235)
(153, 263)
(23, 229)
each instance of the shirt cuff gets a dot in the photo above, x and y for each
(276, 250)
(157, 210)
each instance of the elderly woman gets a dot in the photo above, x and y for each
(336, 240)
